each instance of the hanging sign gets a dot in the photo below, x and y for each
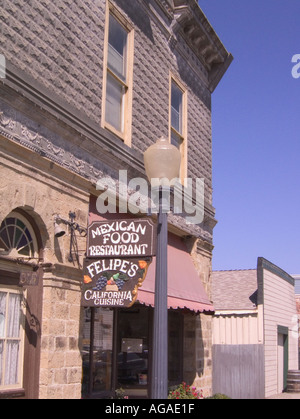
(113, 282)
(121, 238)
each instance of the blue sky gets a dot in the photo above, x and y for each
(256, 134)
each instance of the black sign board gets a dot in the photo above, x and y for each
(121, 238)
(113, 282)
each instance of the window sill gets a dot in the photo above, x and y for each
(12, 394)
(115, 131)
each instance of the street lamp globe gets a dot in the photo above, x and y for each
(162, 163)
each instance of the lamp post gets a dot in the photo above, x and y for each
(162, 164)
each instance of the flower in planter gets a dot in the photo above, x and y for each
(184, 391)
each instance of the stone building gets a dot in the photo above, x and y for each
(87, 87)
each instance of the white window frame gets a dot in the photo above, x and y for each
(183, 134)
(14, 290)
(126, 130)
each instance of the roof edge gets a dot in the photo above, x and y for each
(196, 29)
(263, 263)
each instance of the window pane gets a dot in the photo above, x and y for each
(176, 140)
(11, 233)
(12, 362)
(133, 347)
(2, 313)
(22, 243)
(3, 246)
(1, 360)
(174, 347)
(114, 103)
(10, 342)
(4, 238)
(14, 316)
(116, 62)
(103, 346)
(20, 224)
(117, 48)
(176, 120)
(18, 235)
(25, 251)
(176, 108)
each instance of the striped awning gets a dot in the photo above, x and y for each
(185, 287)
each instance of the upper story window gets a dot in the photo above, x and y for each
(117, 97)
(178, 122)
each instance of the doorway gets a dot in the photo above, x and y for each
(116, 351)
(133, 339)
(282, 358)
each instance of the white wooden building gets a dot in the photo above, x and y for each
(255, 331)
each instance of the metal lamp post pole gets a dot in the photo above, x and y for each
(162, 162)
(159, 386)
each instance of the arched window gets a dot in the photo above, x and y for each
(17, 238)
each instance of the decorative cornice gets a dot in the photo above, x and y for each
(191, 23)
(167, 6)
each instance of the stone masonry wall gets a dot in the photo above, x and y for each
(61, 363)
(197, 352)
(35, 186)
(198, 329)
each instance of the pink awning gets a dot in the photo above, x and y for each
(185, 288)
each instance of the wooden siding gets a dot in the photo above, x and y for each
(238, 371)
(279, 310)
(236, 329)
(297, 286)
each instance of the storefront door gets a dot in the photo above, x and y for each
(117, 351)
(133, 350)
(97, 352)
